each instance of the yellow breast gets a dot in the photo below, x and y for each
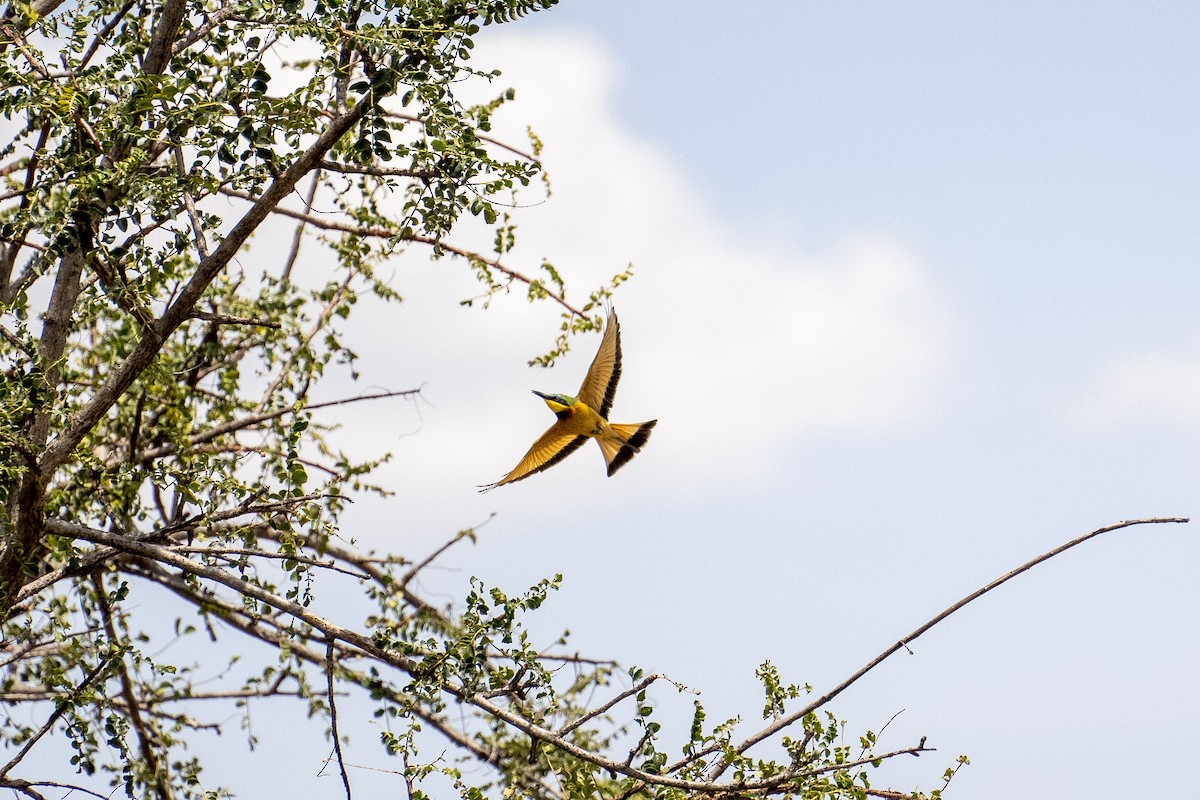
(583, 421)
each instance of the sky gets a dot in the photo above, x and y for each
(915, 300)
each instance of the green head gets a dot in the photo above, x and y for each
(557, 402)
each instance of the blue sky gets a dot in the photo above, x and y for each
(915, 301)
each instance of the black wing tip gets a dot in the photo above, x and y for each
(610, 391)
(568, 448)
(632, 447)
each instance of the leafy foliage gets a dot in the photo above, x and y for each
(159, 436)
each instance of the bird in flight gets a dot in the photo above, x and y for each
(585, 417)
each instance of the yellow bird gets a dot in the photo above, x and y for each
(584, 417)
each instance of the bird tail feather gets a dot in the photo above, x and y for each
(625, 444)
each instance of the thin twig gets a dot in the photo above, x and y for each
(266, 416)
(102, 35)
(189, 203)
(26, 787)
(330, 665)
(226, 319)
(458, 537)
(377, 172)
(147, 740)
(862, 762)
(16, 341)
(637, 687)
(298, 234)
(59, 709)
(228, 552)
(218, 17)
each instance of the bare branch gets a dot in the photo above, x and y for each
(370, 567)
(298, 234)
(225, 319)
(190, 205)
(251, 420)
(530, 157)
(26, 787)
(102, 35)
(8, 289)
(915, 750)
(163, 37)
(458, 537)
(13, 35)
(226, 11)
(625, 695)
(330, 667)
(379, 172)
(15, 341)
(721, 765)
(268, 554)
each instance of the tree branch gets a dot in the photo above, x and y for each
(625, 695)
(721, 765)
(242, 423)
(367, 647)
(123, 376)
(163, 37)
(298, 233)
(386, 233)
(330, 666)
(234, 615)
(147, 740)
(59, 709)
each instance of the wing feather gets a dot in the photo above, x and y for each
(553, 446)
(600, 385)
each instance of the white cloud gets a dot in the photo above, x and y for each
(738, 345)
(1142, 387)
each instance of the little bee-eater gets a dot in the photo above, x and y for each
(585, 417)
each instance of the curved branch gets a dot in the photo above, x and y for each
(783, 722)
(251, 420)
(387, 233)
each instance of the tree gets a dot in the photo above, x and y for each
(158, 432)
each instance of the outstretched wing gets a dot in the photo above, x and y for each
(551, 448)
(600, 386)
